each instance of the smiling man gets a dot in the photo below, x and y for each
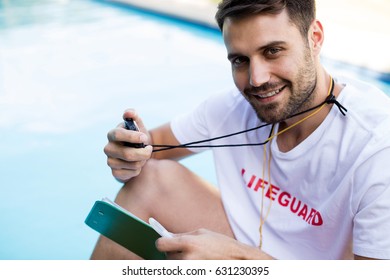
(303, 181)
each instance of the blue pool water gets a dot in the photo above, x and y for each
(68, 69)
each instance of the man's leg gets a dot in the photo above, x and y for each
(167, 191)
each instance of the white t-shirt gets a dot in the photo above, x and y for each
(330, 194)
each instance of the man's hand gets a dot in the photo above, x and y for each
(207, 245)
(127, 162)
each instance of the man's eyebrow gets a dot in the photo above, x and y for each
(232, 55)
(273, 44)
(262, 48)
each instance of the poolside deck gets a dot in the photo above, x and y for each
(356, 31)
(198, 11)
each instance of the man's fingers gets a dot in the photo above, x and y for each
(132, 114)
(124, 175)
(120, 134)
(116, 163)
(118, 151)
(177, 243)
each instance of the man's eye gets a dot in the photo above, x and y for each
(272, 51)
(239, 61)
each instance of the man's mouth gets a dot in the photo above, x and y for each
(269, 94)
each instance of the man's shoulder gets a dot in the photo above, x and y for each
(364, 101)
(362, 92)
(368, 116)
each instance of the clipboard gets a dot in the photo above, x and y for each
(126, 229)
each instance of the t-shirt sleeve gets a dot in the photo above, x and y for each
(371, 224)
(205, 120)
(192, 127)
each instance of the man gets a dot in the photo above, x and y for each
(313, 187)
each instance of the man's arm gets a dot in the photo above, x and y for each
(204, 244)
(163, 135)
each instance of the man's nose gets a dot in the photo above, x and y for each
(259, 73)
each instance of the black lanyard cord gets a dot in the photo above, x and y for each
(193, 144)
(331, 99)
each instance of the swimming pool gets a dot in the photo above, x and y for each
(68, 69)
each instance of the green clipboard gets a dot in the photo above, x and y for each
(119, 225)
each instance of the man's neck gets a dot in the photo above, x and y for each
(295, 135)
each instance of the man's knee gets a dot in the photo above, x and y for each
(159, 169)
(156, 180)
(156, 172)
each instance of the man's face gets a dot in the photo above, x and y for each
(272, 64)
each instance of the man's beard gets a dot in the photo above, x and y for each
(300, 99)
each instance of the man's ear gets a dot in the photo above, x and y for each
(316, 37)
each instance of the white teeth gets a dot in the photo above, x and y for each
(270, 94)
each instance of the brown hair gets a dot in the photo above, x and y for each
(301, 12)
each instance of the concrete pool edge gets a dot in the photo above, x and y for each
(198, 12)
(202, 13)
